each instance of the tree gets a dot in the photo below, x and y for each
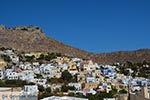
(123, 91)
(2, 48)
(6, 58)
(42, 57)
(64, 88)
(47, 57)
(48, 89)
(40, 88)
(75, 78)
(71, 88)
(15, 83)
(66, 76)
(144, 62)
(44, 92)
(2, 83)
(54, 80)
(30, 58)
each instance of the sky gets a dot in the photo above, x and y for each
(92, 25)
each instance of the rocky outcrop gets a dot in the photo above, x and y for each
(2, 27)
(27, 29)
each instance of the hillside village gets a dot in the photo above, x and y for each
(53, 76)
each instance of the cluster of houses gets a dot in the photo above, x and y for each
(91, 77)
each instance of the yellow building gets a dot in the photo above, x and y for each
(73, 67)
(102, 79)
(90, 85)
(3, 63)
(81, 77)
(63, 59)
(37, 54)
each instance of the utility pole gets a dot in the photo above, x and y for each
(128, 91)
(129, 81)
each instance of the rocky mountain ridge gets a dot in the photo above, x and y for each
(33, 39)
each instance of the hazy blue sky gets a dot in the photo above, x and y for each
(92, 25)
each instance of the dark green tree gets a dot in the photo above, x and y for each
(6, 58)
(30, 58)
(123, 91)
(41, 88)
(66, 76)
(64, 88)
(48, 89)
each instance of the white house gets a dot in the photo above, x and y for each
(41, 82)
(135, 88)
(36, 64)
(89, 66)
(105, 88)
(36, 71)
(90, 80)
(26, 66)
(14, 59)
(12, 75)
(49, 71)
(9, 52)
(28, 54)
(63, 66)
(27, 75)
(31, 89)
(76, 59)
